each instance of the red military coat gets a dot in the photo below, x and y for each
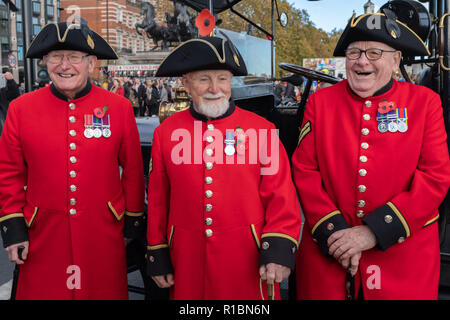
(76, 196)
(348, 173)
(210, 213)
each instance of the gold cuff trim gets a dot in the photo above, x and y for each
(118, 216)
(401, 218)
(159, 246)
(172, 229)
(134, 214)
(431, 221)
(328, 216)
(36, 209)
(280, 235)
(255, 236)
(11, 216)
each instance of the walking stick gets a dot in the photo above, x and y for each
(16, 275)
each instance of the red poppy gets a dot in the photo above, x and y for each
(385, 106)
(205, 22)
(100, 112)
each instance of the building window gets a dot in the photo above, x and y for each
(20, 53)
(36, 7)
(50, 12)
(36, 29)
(19, 27)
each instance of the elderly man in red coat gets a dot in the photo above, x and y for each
(223, 213)
(371, 169)
(63, 196)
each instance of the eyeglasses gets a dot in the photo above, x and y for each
(371, 54)
(73, 58)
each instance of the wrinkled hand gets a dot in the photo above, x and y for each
(164, 281)
(274, 272)
(13, 253)
(347, 245)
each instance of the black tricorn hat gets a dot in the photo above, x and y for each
(206, 53)
(381, 27)
(70, 36)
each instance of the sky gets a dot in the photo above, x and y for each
(330, 14)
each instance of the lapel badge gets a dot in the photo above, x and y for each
(240, 141)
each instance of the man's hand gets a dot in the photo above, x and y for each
(274, 272)
(13, 254)
(346, 245)
(164, 281)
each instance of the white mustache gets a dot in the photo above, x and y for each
(213, 96)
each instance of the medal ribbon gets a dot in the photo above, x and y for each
(88, 120)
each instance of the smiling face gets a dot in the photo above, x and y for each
(68, 78)
(210, 91)
(365, 77)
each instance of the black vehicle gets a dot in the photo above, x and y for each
(428, 18)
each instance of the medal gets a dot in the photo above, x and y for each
(392, 119)
(381, 119)
(229, 143)
(88, 132)
(97, 126)
(105, 127)
(403, 120)
(382, 127)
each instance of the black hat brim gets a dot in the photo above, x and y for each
(408, 42)
(63, 36)
(208, 53)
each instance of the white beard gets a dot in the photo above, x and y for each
(213, 109)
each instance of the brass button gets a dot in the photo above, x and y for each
(73, 188)
(368, 103)
(360, 214)
(366, 117)
(72, 211)
(363, 159)
(72, 119)
(209, 139)
(210, 126)
(151, 259)
(265, 245)
(73, 201)
(73, 133)
(365, 145)
(361, 203)
(365, 131)
(208, 207)
(388, 218)
(209, 232)
(362, 172)
(330, 226)
(73, 159)
(208, 221)
(208, 193)
(72, 146)
(208, 180)
(401, 239)
(209, 165)
(71, 106)
(209, 152)
(362, 188)
(72, 174)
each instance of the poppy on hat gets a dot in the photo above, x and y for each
(381, 27)
(70, 36)
(206, 53)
